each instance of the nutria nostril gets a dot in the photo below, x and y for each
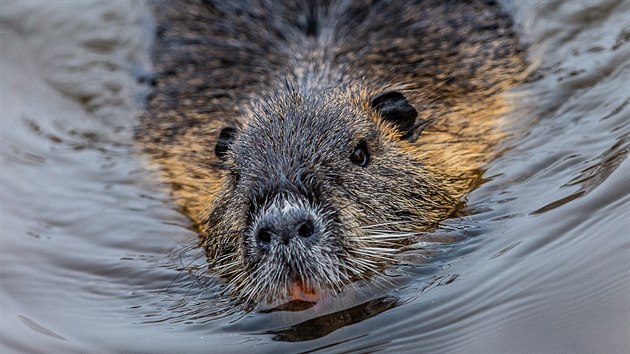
(264, 235)
(306, 229)
(275, 227)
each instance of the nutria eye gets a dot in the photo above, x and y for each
(235, 176)
(360, 156)
(225, 139)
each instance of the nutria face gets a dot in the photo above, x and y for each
(318, 192)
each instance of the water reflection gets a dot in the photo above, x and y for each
(319, 327)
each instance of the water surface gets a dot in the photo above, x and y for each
(92, 246)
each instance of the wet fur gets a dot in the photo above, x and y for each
(295, 80)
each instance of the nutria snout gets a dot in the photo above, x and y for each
(284, 220)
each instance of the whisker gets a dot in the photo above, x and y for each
(181, 271)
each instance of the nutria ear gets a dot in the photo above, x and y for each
(395, 108)
(226, 137)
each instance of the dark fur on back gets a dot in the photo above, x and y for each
(295, 79)
(212, 56)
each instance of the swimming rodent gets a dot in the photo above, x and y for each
(308, 140)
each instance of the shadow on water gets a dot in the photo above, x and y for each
(320, 326)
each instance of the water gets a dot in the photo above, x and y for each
(91, 246)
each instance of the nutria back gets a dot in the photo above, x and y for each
(307, 140)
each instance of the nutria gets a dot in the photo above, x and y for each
(307, 140)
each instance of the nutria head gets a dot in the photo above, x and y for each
(320, 188)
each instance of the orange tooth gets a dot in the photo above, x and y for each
(298, 291)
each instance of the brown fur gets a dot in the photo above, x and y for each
(222, 65)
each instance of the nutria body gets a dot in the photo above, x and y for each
(307, 140)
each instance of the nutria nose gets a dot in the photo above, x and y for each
(284, 228)
(306, 229)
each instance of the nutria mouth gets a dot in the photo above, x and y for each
(308, 142)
